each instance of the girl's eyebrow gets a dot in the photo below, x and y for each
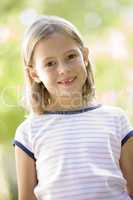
(46, 58)
(69, 51)
(50, 58)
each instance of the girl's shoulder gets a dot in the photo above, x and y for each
(32, 122)
(23, 127)
(28, 127)
(118, 115)
(112, 110)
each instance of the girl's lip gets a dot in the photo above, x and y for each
(67, 81)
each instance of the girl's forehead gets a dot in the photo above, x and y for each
(57, 38)
(55, 44)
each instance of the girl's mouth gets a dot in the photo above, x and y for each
(67, 81)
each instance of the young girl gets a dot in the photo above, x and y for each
(70, 147)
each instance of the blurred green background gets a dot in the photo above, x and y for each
(107, 29)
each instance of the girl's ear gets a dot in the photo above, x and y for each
(33, 75)
(85, 55)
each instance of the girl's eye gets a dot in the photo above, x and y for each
(72, 56)
(50, 64)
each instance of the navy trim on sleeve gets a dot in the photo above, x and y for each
(21, 146)
(130, 134)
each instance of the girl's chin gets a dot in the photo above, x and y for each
(68, 99)
(70, 94)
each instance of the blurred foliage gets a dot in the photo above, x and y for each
(107, 28)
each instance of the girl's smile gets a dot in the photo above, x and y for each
(67, 81)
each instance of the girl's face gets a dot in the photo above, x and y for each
(60, 65)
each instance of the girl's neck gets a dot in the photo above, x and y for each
(66, 104)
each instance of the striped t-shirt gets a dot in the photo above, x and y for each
(77, 152)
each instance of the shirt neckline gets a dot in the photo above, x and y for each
(81, 110)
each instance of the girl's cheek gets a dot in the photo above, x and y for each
(74, 63)
(79, 61)
(48, 75)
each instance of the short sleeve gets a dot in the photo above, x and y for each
(126, 129)
(22, 138)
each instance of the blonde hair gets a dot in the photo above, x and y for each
(38, 96)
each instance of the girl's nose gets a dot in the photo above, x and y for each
(63, 68)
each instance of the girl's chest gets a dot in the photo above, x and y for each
(77, 139)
